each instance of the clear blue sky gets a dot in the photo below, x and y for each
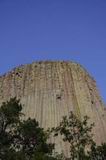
(54, 29)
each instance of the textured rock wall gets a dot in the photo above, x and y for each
(48, 90)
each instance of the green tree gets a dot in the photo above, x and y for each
(78, 134)
(25, 140)
(21, 139)
(98, 152)
(10, 113)
(31, 139)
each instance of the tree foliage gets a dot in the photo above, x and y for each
(21, 139)
(98, 152)
(25, 140)
(80, 138)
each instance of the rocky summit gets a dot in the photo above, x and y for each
(51, 89)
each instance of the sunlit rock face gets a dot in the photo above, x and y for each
(51, 89)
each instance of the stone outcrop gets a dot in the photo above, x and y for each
(51, 89)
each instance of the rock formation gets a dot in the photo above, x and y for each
(51, 89)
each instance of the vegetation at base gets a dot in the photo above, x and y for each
(80, 138)
(25, 140)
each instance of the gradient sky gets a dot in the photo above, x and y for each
(54, 30)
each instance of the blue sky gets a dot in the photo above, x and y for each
(54, 30)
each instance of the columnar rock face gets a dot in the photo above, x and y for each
(49, 90)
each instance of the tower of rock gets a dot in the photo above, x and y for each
(51, 89)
